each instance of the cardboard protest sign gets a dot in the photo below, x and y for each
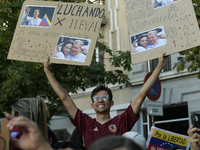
(157, 26)
(163, 139)
(4, 135)
(67, 32)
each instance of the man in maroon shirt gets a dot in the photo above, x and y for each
(93, 129)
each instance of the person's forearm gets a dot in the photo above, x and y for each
(139, 98)
(62, 94)
(60, 91)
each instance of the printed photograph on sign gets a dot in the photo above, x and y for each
(72, 48)
(148, 40)
(38, 16)
(161, 3)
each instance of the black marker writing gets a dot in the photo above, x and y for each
(79, 10)
(171, 14)
(21, 31)
(59, 21)
(34, 33)
(84, 25)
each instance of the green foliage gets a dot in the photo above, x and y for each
(191, 57)
(20, 79)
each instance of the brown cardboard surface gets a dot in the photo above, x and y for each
(68, 21)
(4, 136)
(176, 21)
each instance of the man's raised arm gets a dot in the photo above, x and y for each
(60, 91)
(139, 98)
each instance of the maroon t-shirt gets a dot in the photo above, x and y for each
(91, 129)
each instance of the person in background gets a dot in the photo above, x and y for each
(84, 51)
(68, 145)
(76, 137)
(33, 108)
(137, 138)
(115, 142)
(31, 138)
(52, 138)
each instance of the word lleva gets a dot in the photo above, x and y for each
(78, 10)
(85, 25)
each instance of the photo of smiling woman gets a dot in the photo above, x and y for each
(148, 40)
(65, 50)
(71, 48)
(141, 44)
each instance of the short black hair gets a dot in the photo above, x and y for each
(143, 35)
(53, 136)
(114, 141)
(102, 87)
(66, 42)
(68, 144)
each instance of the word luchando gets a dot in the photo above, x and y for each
(80, 11)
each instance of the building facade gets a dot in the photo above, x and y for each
(180, 94)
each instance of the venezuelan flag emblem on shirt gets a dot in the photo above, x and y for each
(45, 21)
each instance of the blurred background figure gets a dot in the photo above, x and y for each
(33, 108)
(137, 138)
(52, 138)
(84, 51)
(31, 138)
(115, 142)
(134, 48)
(76, 138)
(68, 145)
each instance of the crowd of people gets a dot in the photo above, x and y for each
(71, 50)
(148, 41)
(29, 130)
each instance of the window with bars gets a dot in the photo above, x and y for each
(172, 120)
(154, 63)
